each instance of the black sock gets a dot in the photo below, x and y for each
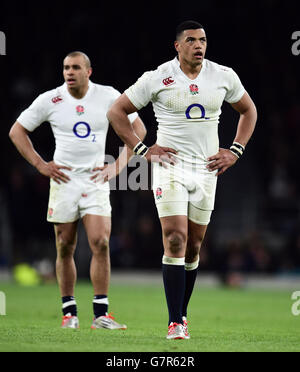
(174, 283)
(69, 305)
(100, 305)
(190, 279)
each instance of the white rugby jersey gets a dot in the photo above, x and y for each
(187, 111)
(79, 125)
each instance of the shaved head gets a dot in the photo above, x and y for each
(85, 57)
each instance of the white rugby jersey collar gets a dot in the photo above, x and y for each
(88, 93)
(177, 67)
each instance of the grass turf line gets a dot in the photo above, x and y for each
(220, 320)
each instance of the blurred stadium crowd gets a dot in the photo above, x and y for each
(255, 226)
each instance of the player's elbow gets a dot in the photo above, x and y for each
(13, 133)
(112, 114)
(109, 115)
(252, 113)
(249, 112)
(17, 132)
(250, 109)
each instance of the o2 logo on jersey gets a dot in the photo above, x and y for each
(83, 130)
(195, 111)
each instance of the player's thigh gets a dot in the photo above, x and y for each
(199, 216)
(202, 197)
(171, 199)
(63, 201)
(95, 201)
(98, 229)
(66, 237)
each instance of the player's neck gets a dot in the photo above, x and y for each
(190, 70)
(79, 92)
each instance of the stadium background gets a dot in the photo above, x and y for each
(255, 225)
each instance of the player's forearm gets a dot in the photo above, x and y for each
(127, 153)
(121, 125)
(123, 159)
(24, 145)
(246, 126)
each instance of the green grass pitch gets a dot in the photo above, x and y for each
(220, 320)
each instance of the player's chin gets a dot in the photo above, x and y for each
(197, 61)
(73, 86)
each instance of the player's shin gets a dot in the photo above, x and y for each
(174, 284)
(191, 270)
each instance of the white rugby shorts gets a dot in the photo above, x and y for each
(184, 189)
(80, 196)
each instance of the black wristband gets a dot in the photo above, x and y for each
(237, 149)
(140, 149)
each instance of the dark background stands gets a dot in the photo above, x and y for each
(255, 227)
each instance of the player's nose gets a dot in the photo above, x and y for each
(70, 72)
(198, 46)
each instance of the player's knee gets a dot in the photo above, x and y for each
(192, 253)
(65, 248)
(99, 245)
(193, 249)
(176, 241)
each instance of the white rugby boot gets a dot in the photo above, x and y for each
(176, 332)
(107, 321)
(70, 321)
(185, 326)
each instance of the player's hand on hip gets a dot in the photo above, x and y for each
(105, 173)
(162, 155)
(53, 170)
(223, 160)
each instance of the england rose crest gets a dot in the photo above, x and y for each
(194, 89)
(158, 193)
(80, 110)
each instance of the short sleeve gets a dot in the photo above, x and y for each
(235, 89)
(34, 115)
(140, 93)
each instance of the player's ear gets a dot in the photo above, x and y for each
(176, 45)
(90, 70)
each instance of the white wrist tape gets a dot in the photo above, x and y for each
(237, 149)
(140, 149)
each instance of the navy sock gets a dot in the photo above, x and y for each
(174, 283)
(190, 279)
(100, 305)
(69, 305)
